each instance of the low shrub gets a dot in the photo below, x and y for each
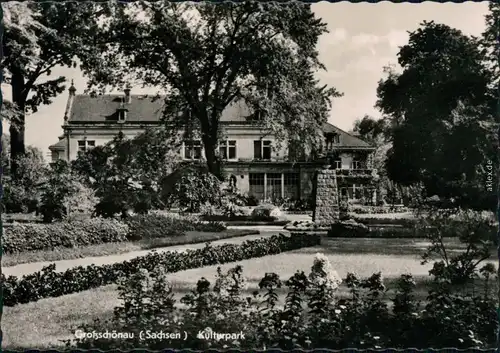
(49, 283)
(298, 205)
(360, 209)
(191, 187)
(266, 212)
(243, 219)
(156, 225)
(243, 200)
(472, 229)
(29, 237)
(314, 315)
(392, 221)
(308, 226)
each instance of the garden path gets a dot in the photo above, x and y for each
(63, 265)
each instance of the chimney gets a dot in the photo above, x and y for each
(72, 89)
(127, 94)
(69, 104)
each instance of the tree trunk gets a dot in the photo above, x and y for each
(210, 140)
(17, 146)
(214, 164)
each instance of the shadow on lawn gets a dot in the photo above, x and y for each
(391, 247)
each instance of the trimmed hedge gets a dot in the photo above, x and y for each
(159, 226)
(405, 222)
(69, 234)
(49, 283)
(238, 218)
(30, 237)
(347, 231)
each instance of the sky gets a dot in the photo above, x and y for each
(362, 39)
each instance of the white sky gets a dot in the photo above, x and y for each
(363, 39)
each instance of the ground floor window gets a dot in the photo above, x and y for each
(291, 183)
(257, 185)
(274, 185)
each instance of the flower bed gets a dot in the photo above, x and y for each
(49, 283)
(315, 314)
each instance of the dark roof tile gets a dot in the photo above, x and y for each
(148, 109)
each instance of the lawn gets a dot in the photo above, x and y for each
(58, 254)
(42, 324)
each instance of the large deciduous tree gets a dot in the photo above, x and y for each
(39, 36)
(208, 56)
(440, 109)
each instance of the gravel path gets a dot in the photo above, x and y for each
(63, 265)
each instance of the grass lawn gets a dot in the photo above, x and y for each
(119, 248)
(42, 324)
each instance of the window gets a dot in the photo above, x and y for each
(256, 182)
(292, 181)
(357, 164)
(192, 149)
(227, 149)
(331, 140)
(337, 163)
(273, 187)
(85, 145)
(262, 149)
(122, 115)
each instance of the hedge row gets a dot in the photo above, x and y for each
(157, 225)
(406, 222)
(341, 230)
(49, 283)
(31, 237)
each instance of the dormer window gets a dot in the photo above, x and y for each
(122, 115)
(332, 140)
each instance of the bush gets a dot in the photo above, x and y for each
(157, 225)
(266, 212)
(472, 230)
(359, 209)
(308, 226)
(15, 199)
(60, 191)
(81, 203)
(314, 315)
(298, 205)
(49, 283)
(391, 221)
(30, 237)
(192, 187)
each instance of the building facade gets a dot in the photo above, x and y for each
(255, 163)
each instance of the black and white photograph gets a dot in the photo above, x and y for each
(249, 175)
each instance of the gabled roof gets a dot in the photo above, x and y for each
(59, 145)
(148, 109)
(346, 139)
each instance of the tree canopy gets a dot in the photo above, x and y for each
(39, 36)
(440, 112)
(208, 56)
